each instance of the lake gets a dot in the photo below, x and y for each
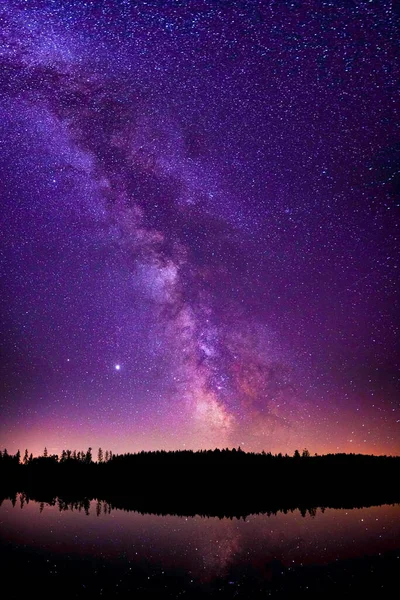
(87, 549)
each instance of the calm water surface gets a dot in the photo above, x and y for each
(90, 550)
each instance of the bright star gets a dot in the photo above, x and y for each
(117, 367)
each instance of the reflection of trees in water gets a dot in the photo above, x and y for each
(101, 506)
(81, 505)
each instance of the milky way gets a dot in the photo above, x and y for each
(199, 225)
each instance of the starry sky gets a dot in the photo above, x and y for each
(199, 235)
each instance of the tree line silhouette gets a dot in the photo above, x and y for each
(227, 481)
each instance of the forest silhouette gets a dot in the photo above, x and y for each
(207, 482)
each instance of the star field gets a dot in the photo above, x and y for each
(199, 225)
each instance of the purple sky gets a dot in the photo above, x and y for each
(199, 225)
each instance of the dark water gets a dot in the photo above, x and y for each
(88, 550)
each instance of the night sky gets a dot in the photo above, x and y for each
(199, 225)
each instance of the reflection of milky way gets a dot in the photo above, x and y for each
(196, 217)
(209, 549)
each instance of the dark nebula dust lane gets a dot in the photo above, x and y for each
(199, 232)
